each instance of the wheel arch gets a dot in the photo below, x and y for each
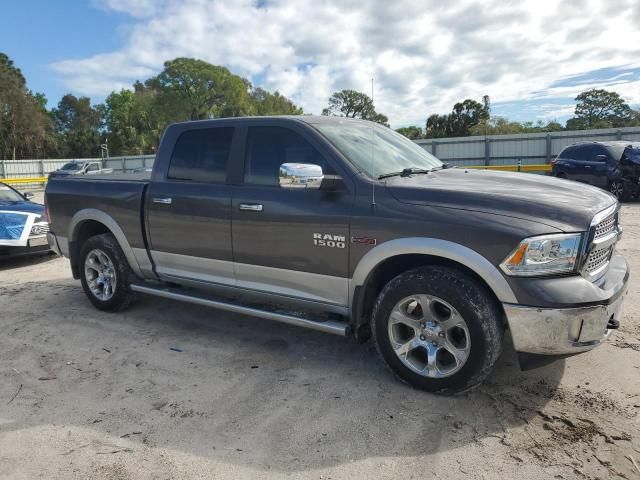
(391, 258)
(89, 222)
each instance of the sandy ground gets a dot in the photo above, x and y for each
(168, 390)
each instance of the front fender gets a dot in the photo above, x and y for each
(437, 248)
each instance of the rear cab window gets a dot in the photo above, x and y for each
(201, 155)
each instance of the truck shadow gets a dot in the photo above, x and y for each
(9, 262)
(242, 390)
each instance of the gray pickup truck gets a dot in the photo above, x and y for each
(346, 227)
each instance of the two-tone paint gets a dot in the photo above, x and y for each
(203, 235)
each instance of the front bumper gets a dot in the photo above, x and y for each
(565, 331)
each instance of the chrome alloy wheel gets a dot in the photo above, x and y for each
(617, 188)
(100, 274)
(429, 336)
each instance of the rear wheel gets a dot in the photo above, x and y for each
(438, 329)
(105, 273)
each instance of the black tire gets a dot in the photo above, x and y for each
(122, 295)
(480, 311)
(620, 190)
(563, 176)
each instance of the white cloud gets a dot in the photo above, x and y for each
(424, 56)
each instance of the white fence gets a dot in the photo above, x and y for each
(42, 167)
(529, 148)
(39, 169)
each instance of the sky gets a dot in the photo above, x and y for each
(530, 57)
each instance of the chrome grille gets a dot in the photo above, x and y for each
(606, 226)
(41, 228)
(598, 258)
(602, 246)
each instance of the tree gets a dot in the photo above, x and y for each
(196, 90)
(503, 126)
(78, 124)
(267, 103)
(26, 130)
(134, 121)
(598, 108)
(353, 104)
(463, 117)
(412, 133)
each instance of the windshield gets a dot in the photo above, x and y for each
(9, 195)
(377, 150)
(71, 166)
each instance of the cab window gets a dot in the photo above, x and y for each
(270, 147)
(201, 155)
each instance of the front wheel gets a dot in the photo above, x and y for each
(438, 329)
(105, 273)
(619, 190)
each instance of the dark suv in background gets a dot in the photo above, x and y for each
(614, 166)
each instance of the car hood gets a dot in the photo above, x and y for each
(562, 204)
(25, 206)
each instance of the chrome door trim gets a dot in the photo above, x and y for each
(251, 207)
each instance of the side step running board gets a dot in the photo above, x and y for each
(336, 328)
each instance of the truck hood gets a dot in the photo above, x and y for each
(562, 204)
(22, 206)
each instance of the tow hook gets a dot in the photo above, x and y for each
(613, 324)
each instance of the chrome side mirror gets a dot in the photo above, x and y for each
(300, 175)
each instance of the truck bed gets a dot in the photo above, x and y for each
(118, 196)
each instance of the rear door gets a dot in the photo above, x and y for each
(292, 243)
(189, 209)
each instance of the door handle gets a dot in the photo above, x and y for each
(163, 201)
(252, 207)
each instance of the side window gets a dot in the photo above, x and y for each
(598, 150)
(567, 153)
(270, 147)
(93, 167)
(581, 153)
(201, 155)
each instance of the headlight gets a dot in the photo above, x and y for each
(544, 255)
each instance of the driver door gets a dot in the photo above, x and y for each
(275, 229)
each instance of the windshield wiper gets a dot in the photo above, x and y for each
(406, 172)
(444, 166)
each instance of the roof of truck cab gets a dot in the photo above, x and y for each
(310, 119)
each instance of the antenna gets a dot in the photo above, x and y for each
(373, 163)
